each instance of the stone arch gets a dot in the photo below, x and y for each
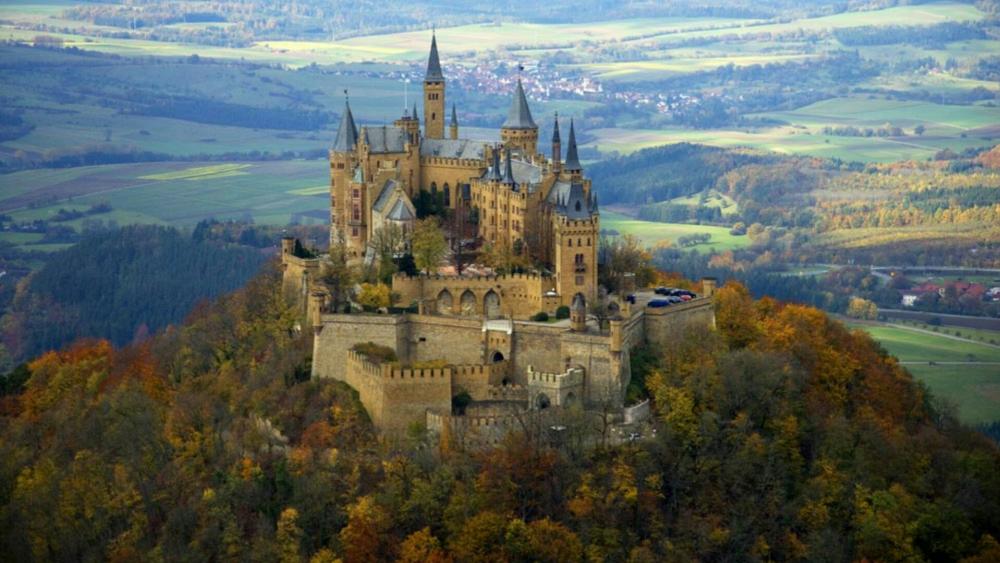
(447, 195)
(468, 303)
(496, 357)
(491, 304)
(444, 302)
(542, 401)
(570, 399)
(434, 188)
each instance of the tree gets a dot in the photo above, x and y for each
(859, 308)
(374, 296)
(289, 536)
(919, 129)
(388, 242)
(422, 547)
(622, 256)
(337, 275)
(429, 245)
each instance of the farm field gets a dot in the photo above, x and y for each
(975, 389)
(172, 193)
(653, 233)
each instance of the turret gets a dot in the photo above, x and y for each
(572, 158)
(453, 127)
(342, 158)
(556, 146)
(508, 173)
(519, 131)
(434, 95)
(287, 248)
(616, 334)
(708, 287)
(578, 314)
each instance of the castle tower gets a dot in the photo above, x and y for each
(410, 124)
(572, 158)
(575, 237)
(556, 146)
(434, 95)
(519, 131)
(342, 161)
(453, 127)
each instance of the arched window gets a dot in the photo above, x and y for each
(447, 195)
(434, 187)
(571, 243)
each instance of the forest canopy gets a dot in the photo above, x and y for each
(782, 436)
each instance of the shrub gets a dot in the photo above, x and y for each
(375, 353)
(562, 312)
(540, 317)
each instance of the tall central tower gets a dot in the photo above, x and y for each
(434, 95)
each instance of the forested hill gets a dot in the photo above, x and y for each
(781, 436)
(121, 284)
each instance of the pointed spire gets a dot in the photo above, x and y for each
(415, 117)
(347, 133)
(519, 114)
(572, 158)
(508, 173)
(555, 129)
(454, 116)
(434, 73)
(494, 172)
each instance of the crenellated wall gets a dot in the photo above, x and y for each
(516, 295)
(396, 397)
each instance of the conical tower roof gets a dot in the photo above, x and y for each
(555, 129)
(572, 158)
(454, 116)
(347, 133)
(434, 73)
(508, 172)
(519, 114)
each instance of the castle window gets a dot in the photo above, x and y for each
(578, 242)
(356, 193)
(588, 241)
(354, 231)
(571, 243)
(357, 213)
(578, 206)
(579, 280)
(447, 195)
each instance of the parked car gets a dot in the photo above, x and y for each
(663, 290)
(658, 303)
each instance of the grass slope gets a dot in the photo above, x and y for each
(652, 233)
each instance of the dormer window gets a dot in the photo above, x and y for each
(578, 206)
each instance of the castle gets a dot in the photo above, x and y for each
(522, 201)
(470, 361)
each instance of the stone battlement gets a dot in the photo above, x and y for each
(393, 371)
(571, 377)
(458, 278)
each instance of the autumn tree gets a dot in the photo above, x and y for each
(429, 245)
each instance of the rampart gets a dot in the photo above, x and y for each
(396, 396)
(515, 295)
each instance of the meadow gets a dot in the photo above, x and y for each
(652, 233)
(973, 388)
(172, 193)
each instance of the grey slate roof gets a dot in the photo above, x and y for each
(384, 196)
(519, 114)
(493, 172)
(508, 173)
(572, 159)
(555, 129)
(347, 133)
(526, 173)
(385, 139)
(434, 73)
(570, 200)
(400, 212)
(451, 148)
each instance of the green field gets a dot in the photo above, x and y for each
(653, 233)
(974, 389)
(171, 193)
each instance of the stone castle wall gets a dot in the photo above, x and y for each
(517, 295)
(396, 397)
(663, 325)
